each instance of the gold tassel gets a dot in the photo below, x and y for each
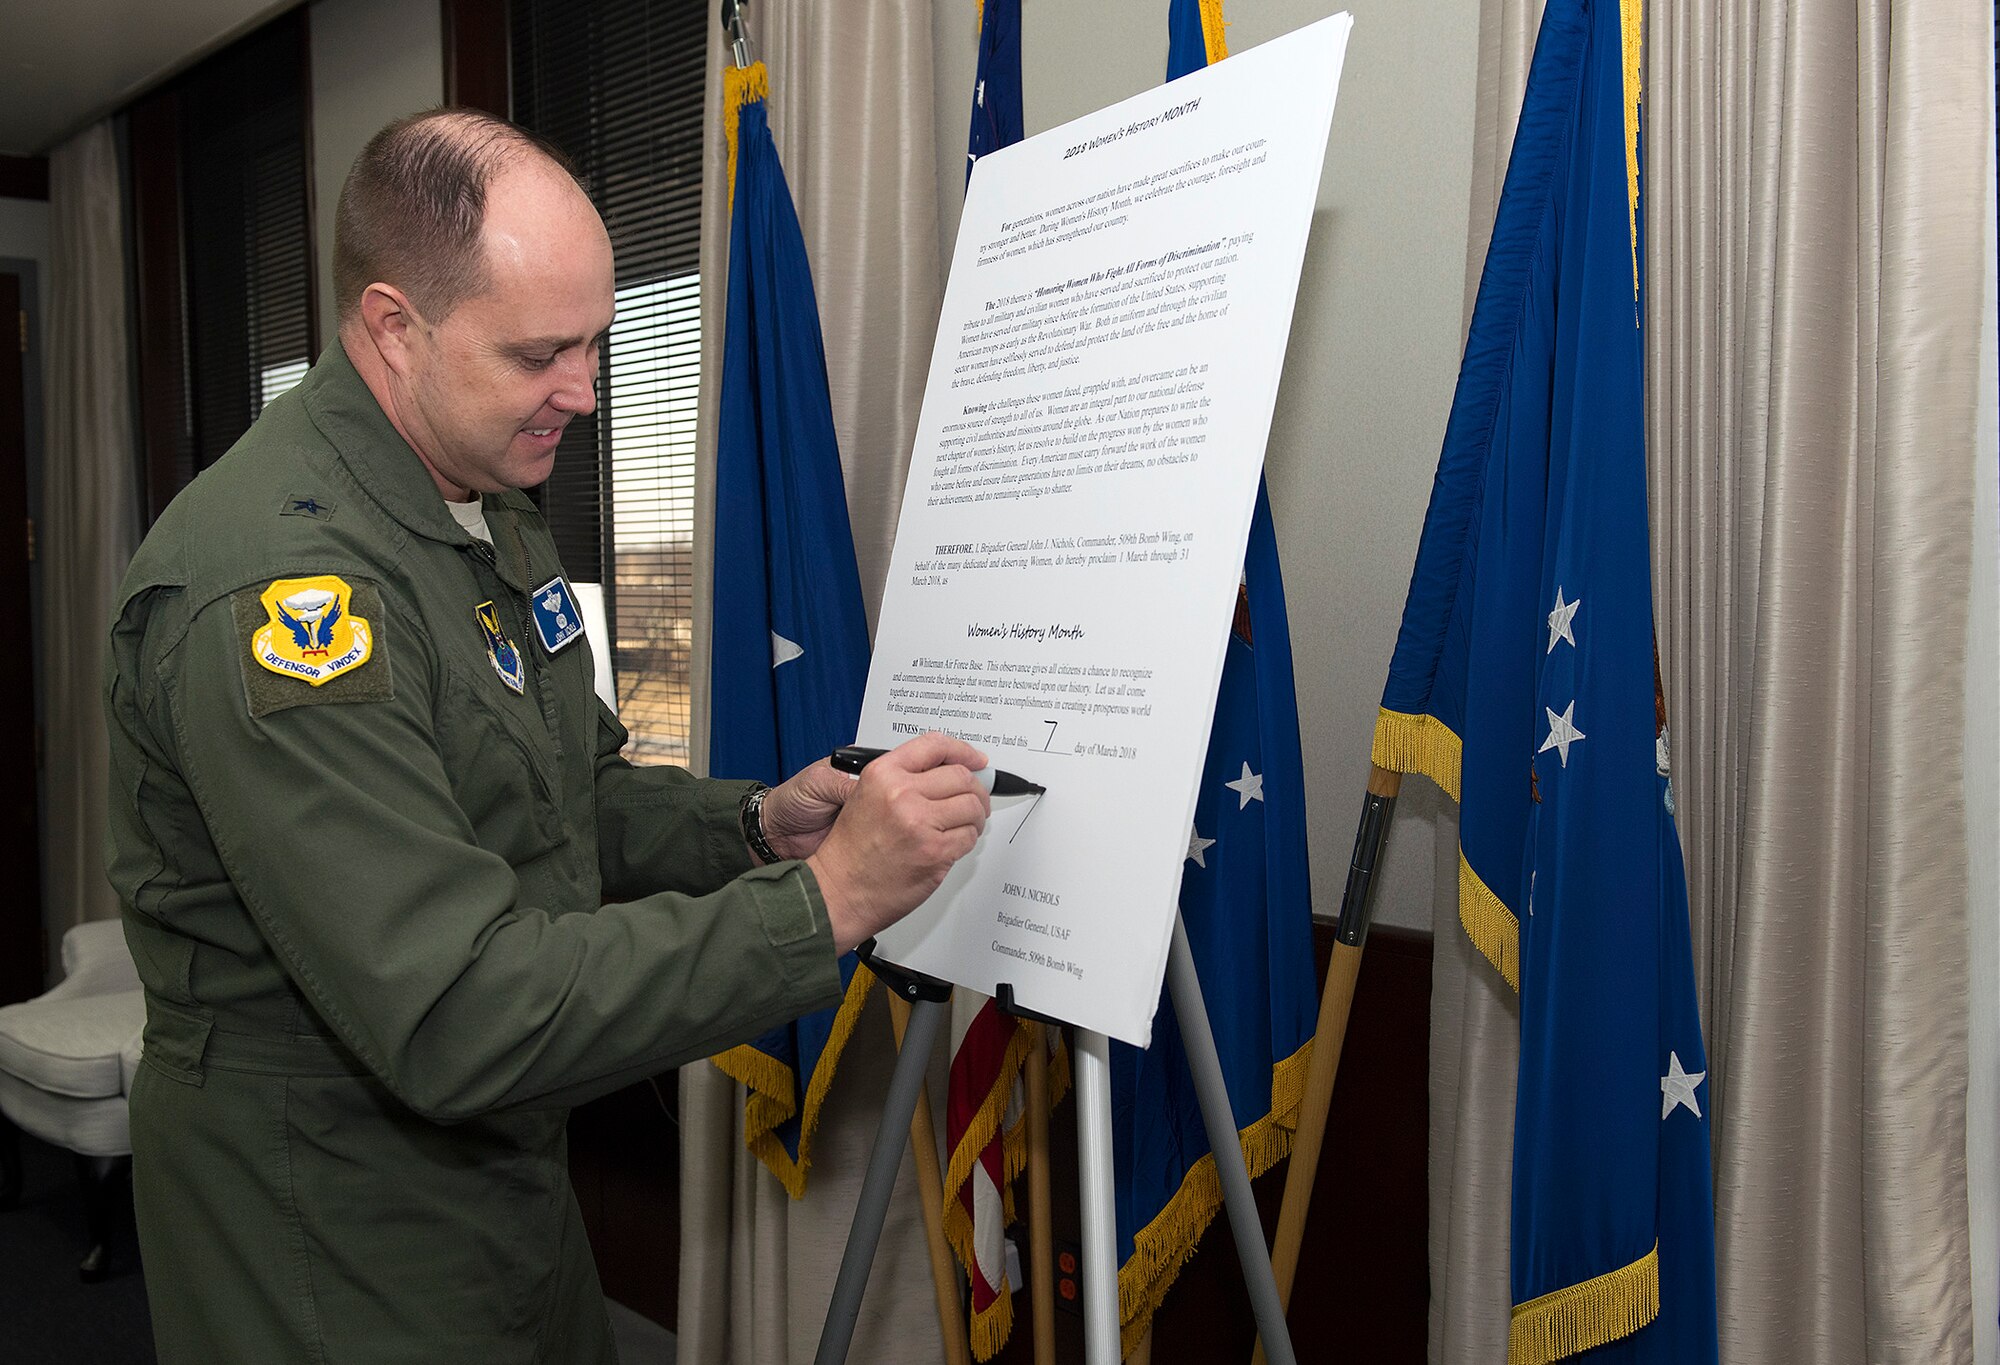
(991, 1328)
(1494, 929)
(1212, 25)
(1417, 744)
(771, 1085)
(740, 85)
(1426, 745)
(1014, 1145)
(984, 1125)
(1631, 22)
(1163, 1246)
(1584, 1315)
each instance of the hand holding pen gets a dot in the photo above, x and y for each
(885, 837)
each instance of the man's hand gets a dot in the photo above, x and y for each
(798, 814)
(910, 815)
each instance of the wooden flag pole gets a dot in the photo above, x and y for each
(1142, 1354)
(930, 1191)
(1041, 1228)
(1331, 1031)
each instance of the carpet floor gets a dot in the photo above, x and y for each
(49, 1317)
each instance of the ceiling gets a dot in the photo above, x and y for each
(64, 63)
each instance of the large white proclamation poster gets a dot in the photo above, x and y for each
(1071, 541)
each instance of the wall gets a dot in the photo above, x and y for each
(1373, 357)
(24, 233)
(372, 61)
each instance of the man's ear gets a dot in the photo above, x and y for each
(392, 325)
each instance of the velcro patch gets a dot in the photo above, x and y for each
(311, 640)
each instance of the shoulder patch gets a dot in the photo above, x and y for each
(306, 505)
(311, 640)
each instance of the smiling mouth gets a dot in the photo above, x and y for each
(541, 431)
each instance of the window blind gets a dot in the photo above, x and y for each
(247, 249)
(617, 84)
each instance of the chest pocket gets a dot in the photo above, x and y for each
(502, 771)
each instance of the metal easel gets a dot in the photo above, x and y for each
(930, 1002)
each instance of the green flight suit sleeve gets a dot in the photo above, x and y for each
(643, 813)
(337, 825)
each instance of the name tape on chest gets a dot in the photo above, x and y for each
(557, 619)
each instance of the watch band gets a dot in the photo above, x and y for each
(750, 815)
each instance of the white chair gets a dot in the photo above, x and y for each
(66, 1060)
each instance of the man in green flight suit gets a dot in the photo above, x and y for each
(366, 806)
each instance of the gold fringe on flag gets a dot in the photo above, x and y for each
(1494, 929)
(990, 1329)
(1584, 1315)
(1417, 744)
(1212, 24)
(772, 1085)
(1631, 17)
(1426, 745)
(740, 85)
(1163, 1246)
(979, 1132)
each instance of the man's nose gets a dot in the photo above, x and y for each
(576, 386)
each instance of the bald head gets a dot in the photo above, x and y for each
(413, 212)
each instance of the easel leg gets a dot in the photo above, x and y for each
(1100, 1210)
(926, 1020)
(930, 1190)
(1225, 1144)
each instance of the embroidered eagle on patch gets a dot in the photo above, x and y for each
(313, 634)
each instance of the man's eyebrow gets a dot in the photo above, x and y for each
(552, 343)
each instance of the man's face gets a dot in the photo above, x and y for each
(488, 391)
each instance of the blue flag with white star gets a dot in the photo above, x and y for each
(1525, 684)
(1246, 901)
(996, 89)
(790, 639)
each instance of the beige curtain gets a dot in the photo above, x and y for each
(851, 111)
(1816, 176)
(89, 511)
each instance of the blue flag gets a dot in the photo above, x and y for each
(1194, 36)
(996, 89)
(790, 639)
(1525, 684)
(1246, 901)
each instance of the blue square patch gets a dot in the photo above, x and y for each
(557, 620)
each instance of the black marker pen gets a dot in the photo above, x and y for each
(852, 758)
